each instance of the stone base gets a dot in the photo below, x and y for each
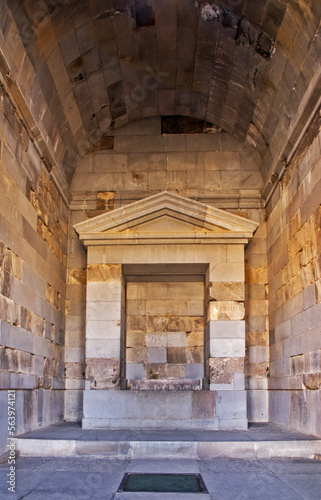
(164, 385)
(149, 409)
(258, 442)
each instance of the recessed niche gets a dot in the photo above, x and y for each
(165, 335)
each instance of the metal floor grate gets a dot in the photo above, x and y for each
(162, 483)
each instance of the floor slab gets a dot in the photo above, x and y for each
(85, 478)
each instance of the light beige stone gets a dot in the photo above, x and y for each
(103, 273)
(136, 339)
(101, 348)
(164, 307)
(103, 311)
(103, 373)
(225, 311)
(195, 339)
(103, 329)
(195, 307)
(136, 355)
(158, 339)
(227, 272)
(136, 307)
(176, 339)
(227, 290)
(225, 348)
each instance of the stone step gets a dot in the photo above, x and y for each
(169, 449)
(257, 443)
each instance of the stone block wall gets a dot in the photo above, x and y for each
(165, 333)
(75, 321)
(225, 325)
(104, 339)
(294, 273)
(257, 327)
(141, 161)
(214, 168)
(33, 249)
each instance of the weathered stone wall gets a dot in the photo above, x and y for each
(294, 273)
(165, 331)
(257, 327)
(75, 321)
(139, 161)
(33, 249)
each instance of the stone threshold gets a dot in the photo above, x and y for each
(260, 441)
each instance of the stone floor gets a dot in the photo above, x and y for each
(94, 478)
(266, 440)
(266, 431)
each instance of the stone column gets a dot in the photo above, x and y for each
(225, 334)
(104, 326)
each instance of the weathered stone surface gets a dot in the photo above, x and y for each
(195, 339)
(103, 272)
(136, 324)
(134, 370)
(136, 355)
(203, 405)
(230, 291)
(177, 355)
(136, 339)
(226, 76)
(106, 200)
(164, 385)
(75, 370)
(103, 373)
(312, 381)
(77, 277)
(225, 310)
(10, 311)
(195, 355)
(157, 339)
(136, 307)
(222, 370)
(176, 339)
(156, 354)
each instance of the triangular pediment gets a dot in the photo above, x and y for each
(167, 224)
(164, 215)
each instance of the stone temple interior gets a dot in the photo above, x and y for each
(160, 213)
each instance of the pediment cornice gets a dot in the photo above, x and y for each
(165, 218)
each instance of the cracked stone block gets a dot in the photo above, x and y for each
(227, 290)
(103, 373)
(222, 370)
(225, 310)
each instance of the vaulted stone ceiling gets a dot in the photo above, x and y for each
(85, 67)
